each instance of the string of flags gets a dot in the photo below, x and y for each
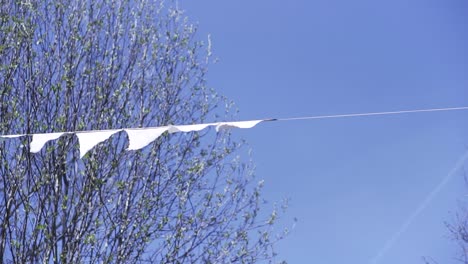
(138, 137)
(141, 137)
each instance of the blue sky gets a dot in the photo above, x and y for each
(352, 182)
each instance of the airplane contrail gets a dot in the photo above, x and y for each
(393, 239)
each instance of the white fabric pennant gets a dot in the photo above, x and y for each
(189, 128)
(88, 140)
(140, 138)
(239, 124)
(39, 140)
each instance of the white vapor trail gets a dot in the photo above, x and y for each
(391, 242)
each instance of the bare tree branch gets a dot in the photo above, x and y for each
(80, 65)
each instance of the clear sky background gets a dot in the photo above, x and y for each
(352, 182)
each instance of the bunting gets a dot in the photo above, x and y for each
(244, 124)
(39, 140)
(142, 137)
(138, 137)
(88, 140)
(189, 128)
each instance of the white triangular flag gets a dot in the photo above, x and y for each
(140, 138)
(90, 139)
(239, 124)
(39, 140)
(189, 128)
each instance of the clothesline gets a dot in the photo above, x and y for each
(141, 137)
(374, 113)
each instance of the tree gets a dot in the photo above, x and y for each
(458, 231)
(81, 65)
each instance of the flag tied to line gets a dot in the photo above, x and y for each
(138, 137)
